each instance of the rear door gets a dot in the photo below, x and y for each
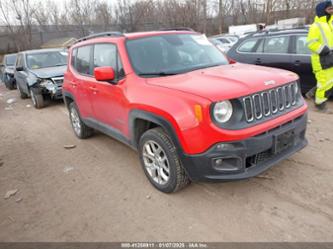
(83, 80)
(275, 52)
(301, 62)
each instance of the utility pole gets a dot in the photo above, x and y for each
(204, 5)
(220, 16)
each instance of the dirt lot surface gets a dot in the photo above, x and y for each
(97, 191)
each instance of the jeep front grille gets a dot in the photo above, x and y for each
(268, 103)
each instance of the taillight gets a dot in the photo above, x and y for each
(231, 61)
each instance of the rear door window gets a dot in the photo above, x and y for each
(82, 63)
(276, 45)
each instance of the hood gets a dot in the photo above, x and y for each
(49, 72)
(226, 82)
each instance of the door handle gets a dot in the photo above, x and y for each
(258, 61)
(73, 84)
(297, 63)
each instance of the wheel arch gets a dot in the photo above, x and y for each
(141, 121)
(68, 98)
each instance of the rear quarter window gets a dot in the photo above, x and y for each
(247, 46)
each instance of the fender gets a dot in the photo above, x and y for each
(165, 124)
(69, 95)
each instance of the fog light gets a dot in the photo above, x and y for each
(227, 164)
(218, 162)
(225, 146)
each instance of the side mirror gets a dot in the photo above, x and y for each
(104, 73)
(19, 68)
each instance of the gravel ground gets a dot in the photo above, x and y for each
(97, 191)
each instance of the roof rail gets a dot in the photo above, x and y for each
(103, 34)
(177, 29)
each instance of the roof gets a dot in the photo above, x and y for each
(156, 33)
(36, 51)
(59, 42)
(13, 54)
(280, 31)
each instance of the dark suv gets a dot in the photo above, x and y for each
(285, 49)
(39, 74)
(7, 70)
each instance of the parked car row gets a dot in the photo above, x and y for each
(224, 42)
(175, 98)
(37, 74)
(7, 71)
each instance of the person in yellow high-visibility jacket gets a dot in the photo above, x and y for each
(320, 42)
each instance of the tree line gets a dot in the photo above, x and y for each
(20, 18)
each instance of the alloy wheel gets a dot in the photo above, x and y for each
(156, 162)
(75, 121)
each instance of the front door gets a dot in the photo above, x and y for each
(108, 97)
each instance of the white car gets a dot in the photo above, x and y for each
(224, 43)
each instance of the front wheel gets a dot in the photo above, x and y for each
(37, 99)
(10, 83)
(160, 161)
(23, 95)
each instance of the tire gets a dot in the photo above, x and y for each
(10, 83)
(81, 130)
(160, 161)
(37, 99)
(23, 95)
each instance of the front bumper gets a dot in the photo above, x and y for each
(54, 93)
(250, 157)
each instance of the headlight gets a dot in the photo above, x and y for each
(46, 83)
(223, 111)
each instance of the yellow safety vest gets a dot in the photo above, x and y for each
(320, 35)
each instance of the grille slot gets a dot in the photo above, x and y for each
(270, 102)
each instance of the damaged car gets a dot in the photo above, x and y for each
(8, 71)
(39, 74)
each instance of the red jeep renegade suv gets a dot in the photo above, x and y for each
(173, 97)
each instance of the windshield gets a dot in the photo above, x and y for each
(46, 59)
(10, 60)
(173, 54)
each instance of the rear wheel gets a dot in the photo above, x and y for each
(160, 161)
(37, 99)
(81, 130)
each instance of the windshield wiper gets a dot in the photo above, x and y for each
(157, 74)
(204, 66)
(60, 64)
